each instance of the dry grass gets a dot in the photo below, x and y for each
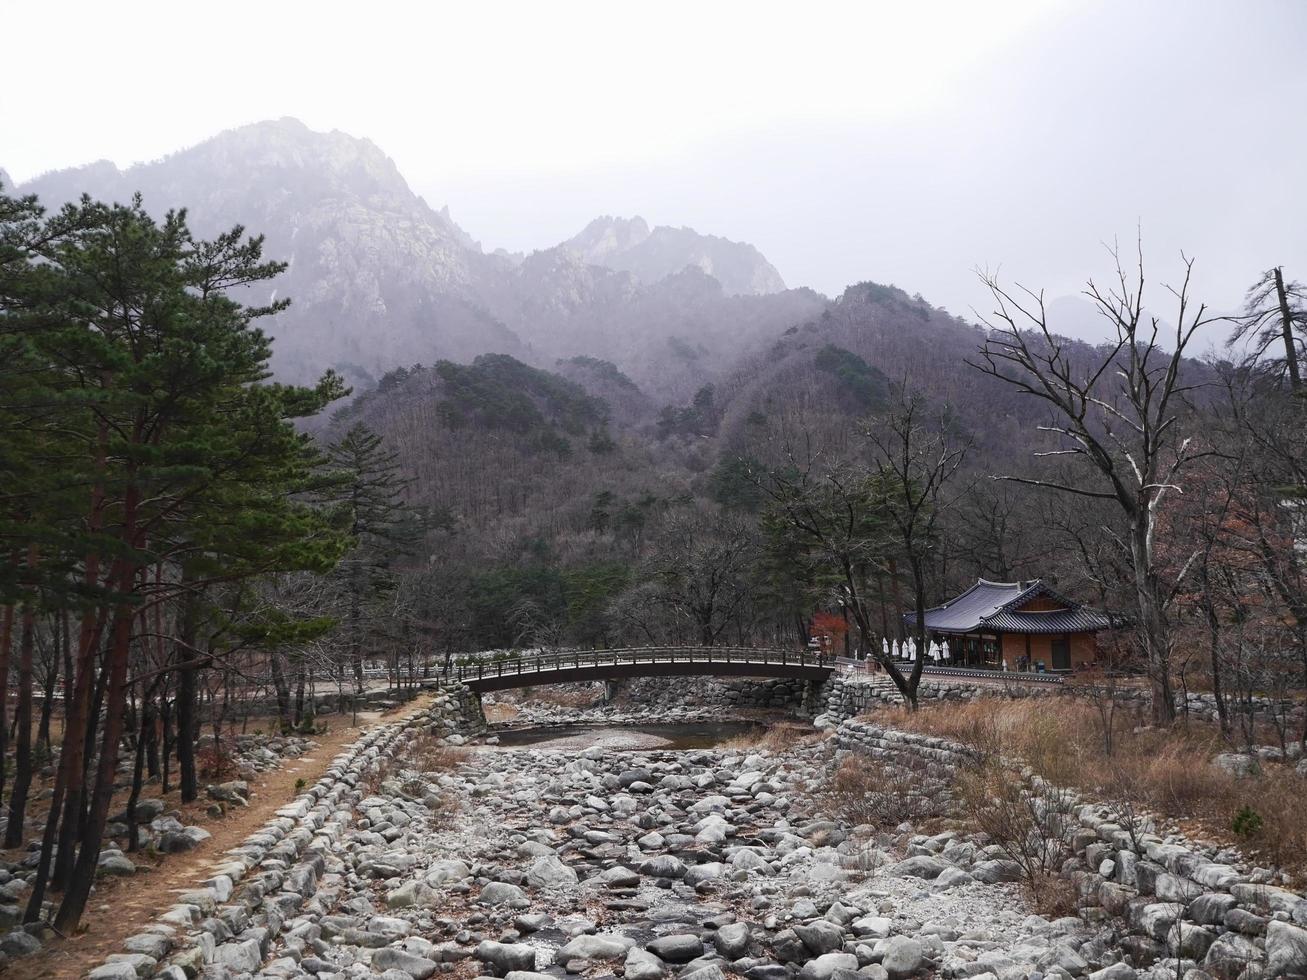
(776, 737)
(424, 754)
(1164, 771)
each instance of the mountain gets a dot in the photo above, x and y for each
(628, 244)
(379, 279)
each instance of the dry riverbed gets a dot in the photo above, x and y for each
(696, 863)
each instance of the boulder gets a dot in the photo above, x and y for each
(606, 946)
(678, 948)
(643, 965)
(732, 940)
(920, 866)
(820, 937)
(1230, 955)
(395, 958)
(663, 866)
(500, 893)
(824, 966)
(506, 957)
(113, 971)
(441, 872)
(114, 862)
(1286, 950)
(903, 956)
(19, 943)
(618, 877)
(242, 957)
(550, 873)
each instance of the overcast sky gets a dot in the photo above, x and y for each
(907, 143)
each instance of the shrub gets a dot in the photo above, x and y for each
(865, 791)
(216, 763)
(1247, 822)
(1030, 823)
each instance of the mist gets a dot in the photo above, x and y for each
(903, 147)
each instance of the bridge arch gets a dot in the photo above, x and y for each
(575, 666)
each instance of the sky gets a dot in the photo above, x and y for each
(910, 143)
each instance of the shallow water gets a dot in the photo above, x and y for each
(627, 738)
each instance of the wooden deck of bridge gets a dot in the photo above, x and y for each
(573, 666)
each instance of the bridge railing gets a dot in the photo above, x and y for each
(580, 659)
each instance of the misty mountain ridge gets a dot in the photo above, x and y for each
(379, 278)
(628, 244)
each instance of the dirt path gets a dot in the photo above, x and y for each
(121, 907)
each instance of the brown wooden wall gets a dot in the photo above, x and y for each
(1084, 649)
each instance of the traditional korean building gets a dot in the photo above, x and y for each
(1026, 625)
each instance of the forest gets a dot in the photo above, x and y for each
(186, 541)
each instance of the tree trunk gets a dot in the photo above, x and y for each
(78, 889)
(187, 727)
(1214, 650)
(6, 639)
(138, 768)
(169, 742)
(51, 680)
(23, 747)
(283, 692)
(1152, 620)
(1286, 326)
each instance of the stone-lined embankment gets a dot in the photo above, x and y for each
(1171, 898)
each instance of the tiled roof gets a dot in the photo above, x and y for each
(992, 606)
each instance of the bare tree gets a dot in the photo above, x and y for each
(914, 457)
(701, 568)
(1119, 416)
(851, 523)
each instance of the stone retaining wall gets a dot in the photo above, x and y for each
(848, 695)
(1172, 897)
(745, 692)
(225, 926)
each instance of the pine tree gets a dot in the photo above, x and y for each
(367, 496)
(129, 348)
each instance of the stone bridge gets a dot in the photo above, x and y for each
(568, 666)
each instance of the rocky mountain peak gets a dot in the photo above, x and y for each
(608, 236)
(651, 255)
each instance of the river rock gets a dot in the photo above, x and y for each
(500, 893)
(600, 947)
(820, 937)
(1286, 950)
(642, 965)
(732, 940)
(550, 873)
(394, 958)
(506, 957)
(920, 866)
(902, 957)
(824, 966)
(679, 948)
